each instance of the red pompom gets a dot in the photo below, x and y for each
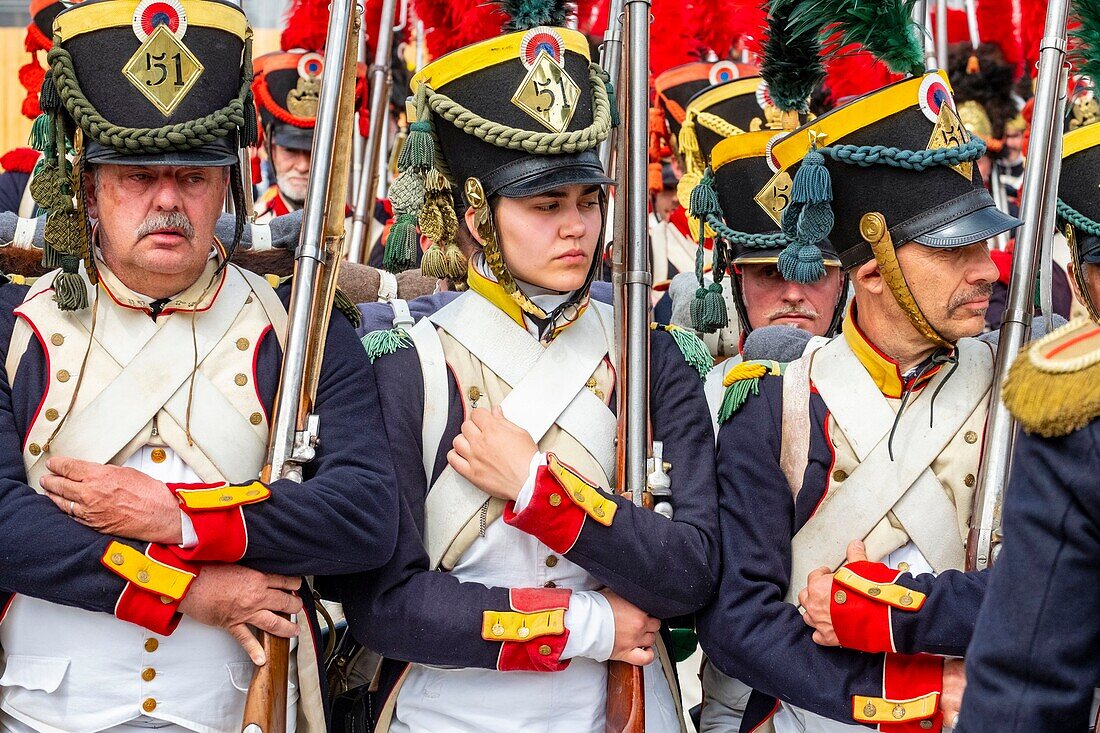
(452, 24)
(20, 160)
(675, 44)
(995, 26)
(306, 25)
(855, 73)
(1032, 20)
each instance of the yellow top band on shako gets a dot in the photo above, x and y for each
(739, 147)
(113, 13)
(835, 126)
(1080, 139)
(470, 59)
(722, 92)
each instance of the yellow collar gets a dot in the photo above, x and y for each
(883, 370)
(492, 291)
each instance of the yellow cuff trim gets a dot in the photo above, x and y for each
(512, 626)
(145, 572)
(223, 497)
(882, 710)
(583, 494)
(897, 596)
(113, 13)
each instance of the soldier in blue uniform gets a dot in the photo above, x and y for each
(500, 407)
(1032, 664)
(903, 393)
(138, 377)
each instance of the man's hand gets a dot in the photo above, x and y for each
(635, 631)
(954, 684)
(493, 453)
(233, 597)
(817, 596)
(114, 500)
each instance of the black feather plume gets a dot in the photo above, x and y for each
(524, 15)
(792, 64)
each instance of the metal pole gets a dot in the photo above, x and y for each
(611, 58)
(1040, 189)
(359, 152)
(941, 34)
(972, 23)
(921, 18)
(379, 96)
(638, 280)
(997, 188)
(245, 158)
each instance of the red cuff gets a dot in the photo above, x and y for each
(544, 653)
(907, 677)
(220, 529)
(160, 614)
(861, 622)
(551, 516)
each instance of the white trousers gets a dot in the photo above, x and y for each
(143, 724)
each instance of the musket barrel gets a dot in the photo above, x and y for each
(363, 221)
(611, 58)
(1040, 186)
(941, 34)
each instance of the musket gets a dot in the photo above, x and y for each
(625, 683)
(294, 426)
(941, 34)
(363, 220)
(1040, 192)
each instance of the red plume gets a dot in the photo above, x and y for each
(853, 74)
(1033, 15)
(958, 30)
(306, 25)
(20, 160)
(723, 23)
(995, 26)
(674, 44)
(592, 16)
(452, 24)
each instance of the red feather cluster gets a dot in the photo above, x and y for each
(673, 41)
(452, 24)
(958, 30)
(1032, 19)
(306, 25)
(723, 24)
(995, 26)
(592, 16)
(854, 73)
(20, 160)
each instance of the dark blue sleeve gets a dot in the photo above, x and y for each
(748, 631)
(1032, 665)
(945, 622)
(667, 568)
(12, 186)
(342, 518)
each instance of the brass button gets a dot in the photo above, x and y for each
(898, 712)
(148, 674)
(57, 339)
(498, 630)
(839, 475)
(840, 597)
(252, 492)
(225, 498)
(143, 576)
(903, 567)
(926, 725)
(249, 299)
(117, 558)
(555, 500)
(474, 394)
(544, 650)
(599, 512)
(874, 590)
(969, 480)
(51, 414)
(523, 632)
(166, 600)
(869, 710)
(149, 705)
(151, 645)
(62, 375)
(551, 561)
(242, 344)
(549, 584)
(159, 455)
(35, 449)
(906, 600)
(240, 380)
(970, 437)
(578, 496)
(255, 418)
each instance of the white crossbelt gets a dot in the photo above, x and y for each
(904, 484)
(548, 387)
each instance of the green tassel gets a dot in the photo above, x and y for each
(401, 244)
(342, 303)
(385, 342)
(737, 394)
(697, 309)
(703, 201)
(695, 351)
(801, 263)
(51, 258)
(48, 98)
(41, 136)
(69, 291)
(812, 183)
(418, 152)
(613, 102)
(407, 193)
(250, 133)
(708, 310)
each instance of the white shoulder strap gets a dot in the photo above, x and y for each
(270, 302)
(433, 370)
(794, 445)
(22, 333)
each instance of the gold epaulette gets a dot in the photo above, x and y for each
(1053, 387)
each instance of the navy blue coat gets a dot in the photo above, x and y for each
(341, 519)
(1035, 656)
(406, 612)
(749, 632)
